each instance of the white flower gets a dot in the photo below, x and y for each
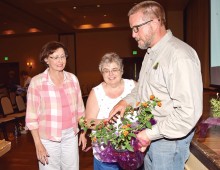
(132, 117)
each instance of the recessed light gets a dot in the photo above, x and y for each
(86, 26)
(8, 32)
(34, 30)
(74, 7)
(98, 6)
(106, 25)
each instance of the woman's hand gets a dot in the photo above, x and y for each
(42, 154)
(83, 140)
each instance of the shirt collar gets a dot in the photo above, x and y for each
(46, 77)
(158, 47)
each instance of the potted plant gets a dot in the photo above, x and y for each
(214, 119)
(116, 142)
(215, 106)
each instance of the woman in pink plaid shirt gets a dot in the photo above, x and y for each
(54, 106)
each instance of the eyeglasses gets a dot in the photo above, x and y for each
(136, 27)
(56, 58)
(113, 71)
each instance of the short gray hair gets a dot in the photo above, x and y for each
(150, 10)
(111, 58)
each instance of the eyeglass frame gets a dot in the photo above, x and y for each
(58, 57)
(136, 27)
(113, 71)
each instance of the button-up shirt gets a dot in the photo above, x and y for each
(171, 71)
(44, 105)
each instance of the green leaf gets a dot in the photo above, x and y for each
(129, 148)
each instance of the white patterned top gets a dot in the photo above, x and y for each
(106, 103)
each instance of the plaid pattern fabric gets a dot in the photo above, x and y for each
(44, 106)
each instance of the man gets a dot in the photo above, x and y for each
(170, 71)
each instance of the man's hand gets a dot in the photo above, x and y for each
(119, 107)
(143, 139)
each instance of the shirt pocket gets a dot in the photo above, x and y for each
(156, 79)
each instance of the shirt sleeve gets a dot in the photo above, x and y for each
(80, 104)
(33, 101)
(131, 98)
(184, 84)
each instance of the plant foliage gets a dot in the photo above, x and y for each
(121, 133)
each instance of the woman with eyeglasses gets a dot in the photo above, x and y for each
(54, 106)
(105, 96)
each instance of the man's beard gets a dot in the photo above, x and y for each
(144, 46)
(147, 43)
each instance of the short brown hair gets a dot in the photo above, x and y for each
(49, 48)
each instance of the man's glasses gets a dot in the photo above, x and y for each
(113, 71)
(136, 27)
(56, 58)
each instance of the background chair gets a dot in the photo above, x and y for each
(12, 96)
(20, 103)
(8, 112)
(8, 108)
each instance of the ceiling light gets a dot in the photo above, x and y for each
(86, 26)
(106, 25)
(74, 7)
(98, 6)
(32, 30)
(8, 32)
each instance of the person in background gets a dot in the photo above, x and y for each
(26, 79)
(170, 71)
(54, 106)
(22, 90)
(11, 82)
(103, 97)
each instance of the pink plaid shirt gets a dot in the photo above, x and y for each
(44, 106)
